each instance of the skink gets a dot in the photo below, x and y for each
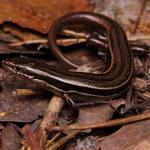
(85, 86)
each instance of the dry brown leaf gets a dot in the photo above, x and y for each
(22, 33)
(37, 14)
(124, 12)
(128, 137)
(10, 138)
(144, 24)
(102, 112)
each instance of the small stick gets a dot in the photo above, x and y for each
(30, 138)
(74, 34)
(84, 35)
(63, 140)
(101, 124)
(49, 119)
(77, 38)
(138, 37)
(72, 41)
(51, 141)
(62, 42)
(28, 42)
(24, 92)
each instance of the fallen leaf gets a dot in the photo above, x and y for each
(38, 15)
(128, 137)
(10, 138)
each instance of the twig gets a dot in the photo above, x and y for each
(72, 41)
(101, 124)
(74, 34)
(138, 37)
(30, 138)
(63, 140)
(28, 42)
(51, 141)
(77, 38)
(49, 119)
(24, 92)
(62, 42)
